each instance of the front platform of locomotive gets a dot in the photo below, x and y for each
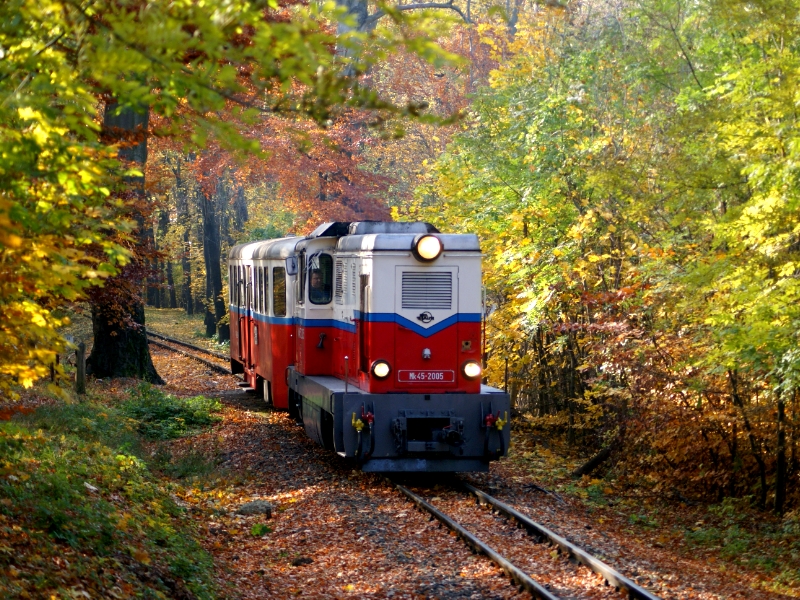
(405, 392)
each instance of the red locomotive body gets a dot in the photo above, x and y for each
(371, 329)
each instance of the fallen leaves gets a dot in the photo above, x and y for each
(366, 541)
(337, 532)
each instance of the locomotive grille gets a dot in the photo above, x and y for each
(427, 290)
(339, 285)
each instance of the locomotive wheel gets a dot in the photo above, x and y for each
(327, 430)
(295, 405)
(267, 391)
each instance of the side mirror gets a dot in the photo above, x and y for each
(291, 265)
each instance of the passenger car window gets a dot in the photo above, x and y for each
(320, 278)
(265, 290)
(240, 286)
(279, 292)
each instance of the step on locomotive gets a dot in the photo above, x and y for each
(369, 333)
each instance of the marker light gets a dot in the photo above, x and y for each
(427, 247)
(381, 369)
(471, 369)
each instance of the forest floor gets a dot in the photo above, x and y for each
(336, 532)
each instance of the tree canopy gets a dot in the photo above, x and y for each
(208, 69)
(632, 170)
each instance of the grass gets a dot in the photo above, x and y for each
(85, 507)
(161, 416)
(188, 466)
(260, 529)
(729, 529)
(175, 323)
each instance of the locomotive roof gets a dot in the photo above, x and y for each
(359, 236)
(343, 228)
(452, 242)
(280, 248)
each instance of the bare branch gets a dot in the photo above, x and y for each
(372, 19)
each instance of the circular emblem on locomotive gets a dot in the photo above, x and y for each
(425, 317)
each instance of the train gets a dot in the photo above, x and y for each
(370, 334)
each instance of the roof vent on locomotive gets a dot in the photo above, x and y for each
(370, 333)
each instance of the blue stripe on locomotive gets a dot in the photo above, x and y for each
(370, 318)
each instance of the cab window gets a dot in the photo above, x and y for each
(301, 279)
(320, 278)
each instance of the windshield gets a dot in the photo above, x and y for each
(320, 278)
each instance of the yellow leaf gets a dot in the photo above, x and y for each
(27, 113)
(12, 241)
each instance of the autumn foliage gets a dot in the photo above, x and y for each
(631, 176)
(209, 71)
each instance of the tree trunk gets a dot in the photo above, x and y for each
(240, 210)
(161, 230)
(606, 452)
(200, 298)
(208, 315)
(120, 349)
(155, 275)
(734, 459)
(153, 288)
(357, 12)
(120, 343)
(780, 475)
(212, 255)
(173, 298)
(793, 436)
(186, 263)
(597, 460)
(182, 211)
(762, 468)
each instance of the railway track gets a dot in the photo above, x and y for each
(178, 346)
(543, 571)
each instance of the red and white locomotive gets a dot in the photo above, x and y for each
(370, 332)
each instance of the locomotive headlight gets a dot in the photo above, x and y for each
(381, 369)
(427, 247)
(471, 369)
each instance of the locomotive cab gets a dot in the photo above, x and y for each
(385, 344)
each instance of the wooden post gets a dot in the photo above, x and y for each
(80, 378)
(53, 367)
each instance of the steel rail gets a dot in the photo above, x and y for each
(612, 576)
(207, 363)
(187, 345)
(516, 574)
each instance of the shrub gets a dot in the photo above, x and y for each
(78, 502)
(162, 416)
(260, 529)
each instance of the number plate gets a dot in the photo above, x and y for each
(426, 376)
